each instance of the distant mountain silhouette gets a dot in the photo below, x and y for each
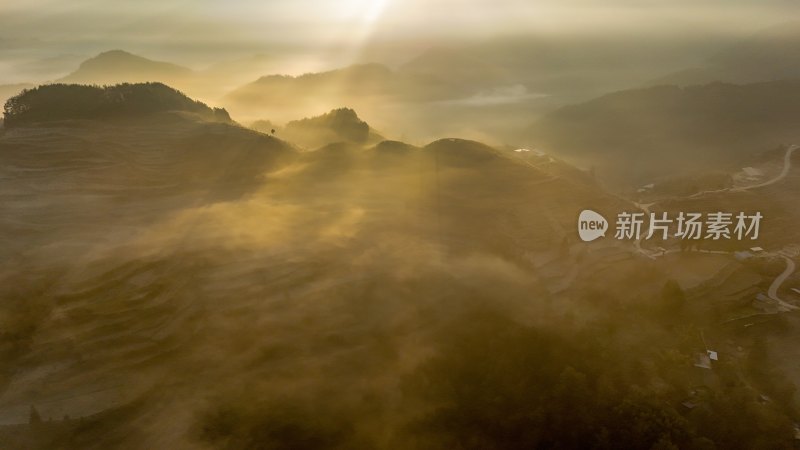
(300, 93)
(118, 66)
(239, 70)
(68, 102)
(362, 86)
(773, 54)
(457, 66)
(362, 79)
(641, 133)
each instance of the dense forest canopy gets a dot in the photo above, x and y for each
(72, 101)
(344, 122)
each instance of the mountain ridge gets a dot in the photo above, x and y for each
(53, 102)
(646, 132)
(118, 66)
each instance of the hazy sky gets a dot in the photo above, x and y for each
(37, 34)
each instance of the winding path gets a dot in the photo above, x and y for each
(787, 166)
(772, 293)
(776, 284)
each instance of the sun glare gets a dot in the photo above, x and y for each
(374, 9)
(364, 15)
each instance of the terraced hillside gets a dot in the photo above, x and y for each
(144, 248)
(172, 281)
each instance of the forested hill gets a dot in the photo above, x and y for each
(55, 102)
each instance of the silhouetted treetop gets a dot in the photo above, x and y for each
(344, 122)
(73, 101)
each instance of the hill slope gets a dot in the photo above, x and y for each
(149, 258)
(365, 86)
(63, 169)
(54, 102)
(773, 54)
(339, 125)
(638, 134)
(118, 66)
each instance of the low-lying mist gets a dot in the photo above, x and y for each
(356, 296)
